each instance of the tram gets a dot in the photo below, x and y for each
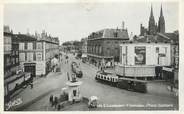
(123, 83)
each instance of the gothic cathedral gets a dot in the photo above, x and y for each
(153, 28)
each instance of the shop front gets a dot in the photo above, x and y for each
(31, 68)
(168, 74)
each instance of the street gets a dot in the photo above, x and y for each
(157, 95)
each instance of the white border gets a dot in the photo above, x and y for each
(181, 54)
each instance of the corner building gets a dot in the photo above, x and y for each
(36, 52)
(103, 46)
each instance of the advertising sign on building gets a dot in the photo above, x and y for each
(40, 67)
(39, 56)
(140, 55)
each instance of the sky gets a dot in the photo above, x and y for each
(73, 21)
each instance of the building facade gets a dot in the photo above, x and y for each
(7, 50)
(149, 54)
(170, 70)
(84, 45)
(103, 46)
(36, 53)
(11, 53)
(72, 46)
(141, 60)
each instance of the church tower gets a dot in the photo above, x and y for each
(151, 26)
(161, 22)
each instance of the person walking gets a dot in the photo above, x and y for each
(59, 107)
(68, 76)
(51, 100)
(31, 81)
(55, 102)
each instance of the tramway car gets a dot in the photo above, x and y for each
(123, 83)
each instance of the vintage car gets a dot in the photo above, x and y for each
(93, 102)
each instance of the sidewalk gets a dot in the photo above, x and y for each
(159, 88)
(42, 87)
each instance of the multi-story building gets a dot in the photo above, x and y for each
(11, 53)
(103, 46)
(12, 76)
(84, 45)
(36, 52)
(7, 50)
(50, 49)
(171, 38)
(72, 46)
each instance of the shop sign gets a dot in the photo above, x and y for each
(29, 64)
(161, 55)
(167, 69)
(140, 55)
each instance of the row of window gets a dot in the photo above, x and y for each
(95, 49)
(111, 52)
(30, 56)
(36, 45)
(30, 46)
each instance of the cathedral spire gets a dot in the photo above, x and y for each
(151, 14)
(161, 22)
(161, 13)
(151, 26)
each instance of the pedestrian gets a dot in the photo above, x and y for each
(59, 107)
(68, 76)
(55, 102)
(31, 81)
(31, 85)
(51, 100)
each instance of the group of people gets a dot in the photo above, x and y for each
(54, 102)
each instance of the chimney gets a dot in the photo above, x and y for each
(123, 25)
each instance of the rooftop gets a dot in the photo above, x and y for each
(110, 33)
(159, 37)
